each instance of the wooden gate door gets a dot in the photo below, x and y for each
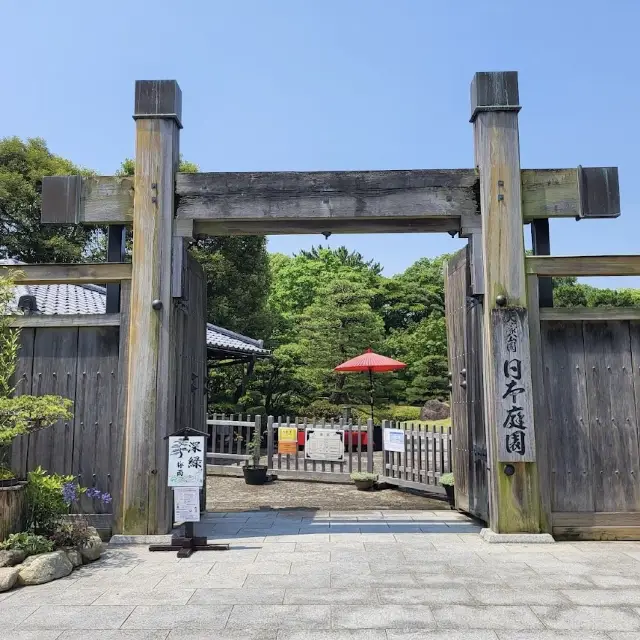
(464, 338)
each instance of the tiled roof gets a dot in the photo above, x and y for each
(71, 299)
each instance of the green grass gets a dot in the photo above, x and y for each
(430, 424)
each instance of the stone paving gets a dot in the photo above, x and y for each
(299, 575)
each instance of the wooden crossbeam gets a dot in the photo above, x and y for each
(102, 273)
(339, 202)
(76, 320)
(573, 314)
(583, 265)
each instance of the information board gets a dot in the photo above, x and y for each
(288, 440)
(186, 504)
(393, 439)
(324, 444)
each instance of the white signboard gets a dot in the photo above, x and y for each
(324, 444)
(186, 461)
(393, 440)
(186, 504)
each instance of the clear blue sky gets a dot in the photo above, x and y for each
(337, 84)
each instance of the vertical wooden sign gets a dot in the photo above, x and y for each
(512, 362)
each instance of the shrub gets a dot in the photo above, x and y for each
(71, 534)
(30, 543)
(254, 447)
(45, 501)
(405, 413)
(446, 479)
(51, 496)
(322, 409)
(363, 476)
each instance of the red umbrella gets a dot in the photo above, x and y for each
(371, 362)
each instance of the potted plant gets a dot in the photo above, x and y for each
(364, 481)
(254, 472)
(446, 481)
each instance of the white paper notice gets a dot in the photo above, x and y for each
(393, 440)
(186, 504)
(324, 444)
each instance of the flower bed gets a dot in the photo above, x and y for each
(20, 567)
(50, 547)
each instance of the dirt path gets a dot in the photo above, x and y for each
(225, 493)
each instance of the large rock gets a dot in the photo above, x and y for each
(8, 577)
(11, 557)
(92, 550)
(75, 557)
(435, 410)
(44, 568)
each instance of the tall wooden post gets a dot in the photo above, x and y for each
(151, 384)
(514, 501)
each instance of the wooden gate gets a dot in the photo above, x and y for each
(464, 338)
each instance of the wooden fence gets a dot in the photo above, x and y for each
(228, 437)
(426, 456)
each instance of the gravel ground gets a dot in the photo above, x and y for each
(225, 493)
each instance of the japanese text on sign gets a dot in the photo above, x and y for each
(186, 504)
(393, 440)
(324, 444)
(288, 440)
(186, 461)
(515, 411)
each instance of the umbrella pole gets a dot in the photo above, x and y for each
(371, 391)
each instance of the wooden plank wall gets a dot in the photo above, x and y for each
(457, 282)
(79, 363)
(592, 387)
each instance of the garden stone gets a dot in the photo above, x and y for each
(92, 550)
(11, 558)
(44, 567)
(8, 577)
(75, 557)
(435, 410)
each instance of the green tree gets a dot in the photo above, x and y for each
(340, 324)
(22, 237)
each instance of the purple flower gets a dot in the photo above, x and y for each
(69, 492)
(106, 498)
(93, 492)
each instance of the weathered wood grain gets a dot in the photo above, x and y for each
(584, 265)
(604, 533)
(567, 422)
(456, 285)
(515, 502)
(540, 405)
(83, 320)
(89, 200)
(54, 372)
(96, 405)
(514, 399)
(12, 510)
(150, 398)
(596, 519)
(22, 380)
(117, 434)
(101, 273)
(590, 313)
(344, 198)
(613, 423)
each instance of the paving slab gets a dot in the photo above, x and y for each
(116, 634)
(588, 618)
(486, 617)
(92, 617)
(280, 616)
(389, 616)
(189, 616)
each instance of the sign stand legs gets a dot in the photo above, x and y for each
(188, 544)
